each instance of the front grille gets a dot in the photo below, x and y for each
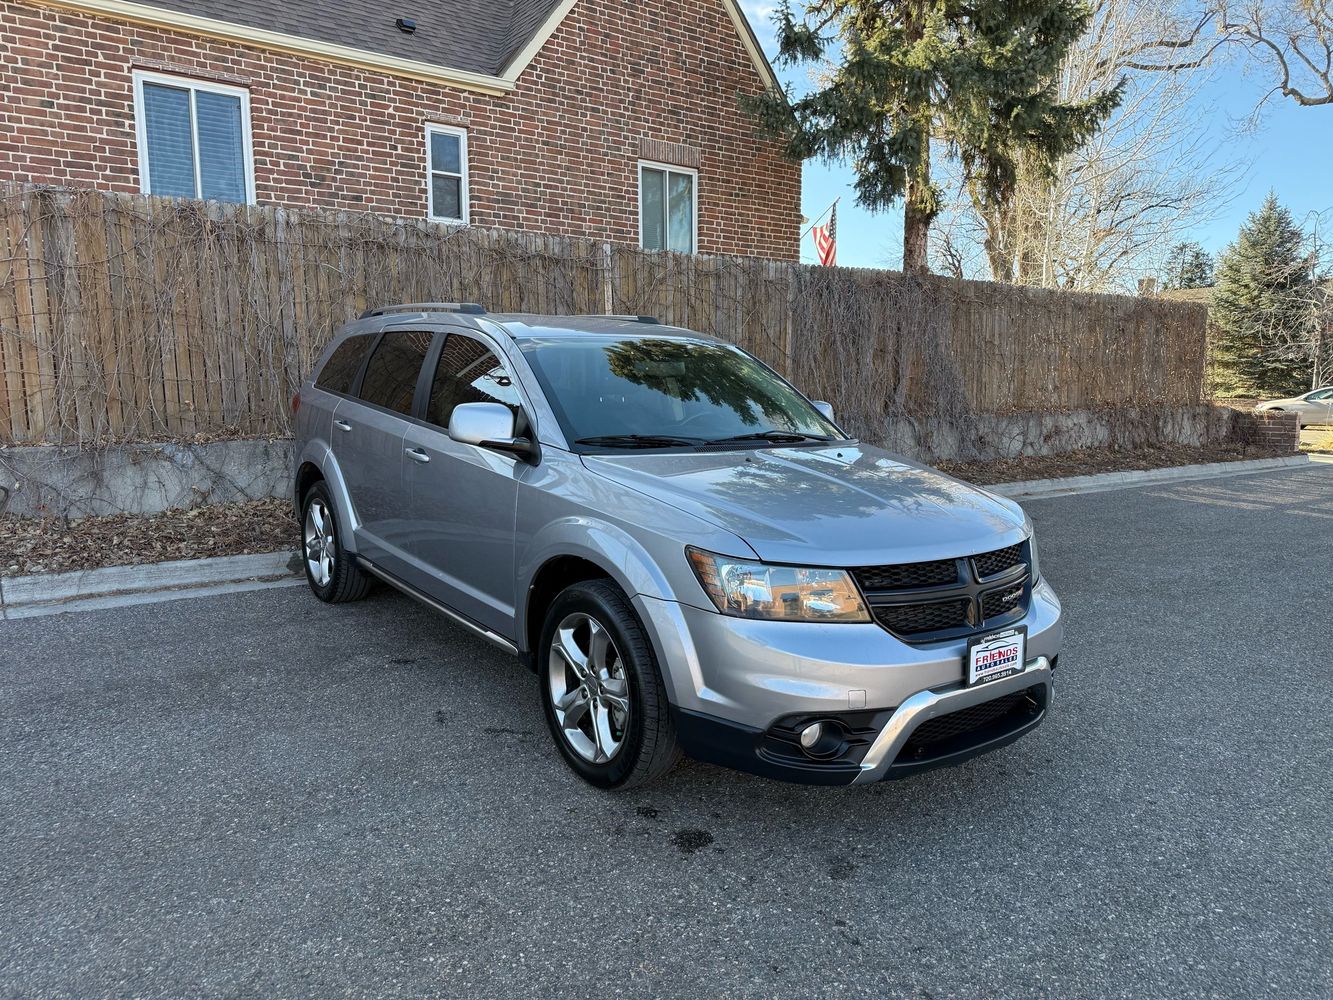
(966, 720)
(998, 603)
(994, 563)
(915, 619)
(949, 598)
(908, 576)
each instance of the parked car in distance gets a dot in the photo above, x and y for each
(1314, 407)
(688, 553)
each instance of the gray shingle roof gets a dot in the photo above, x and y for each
(476, 35)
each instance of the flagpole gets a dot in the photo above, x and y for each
(821, 215)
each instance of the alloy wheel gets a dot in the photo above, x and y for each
(588, 688)
(319, 543)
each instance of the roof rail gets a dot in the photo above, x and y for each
(625, 316)
(471, 308)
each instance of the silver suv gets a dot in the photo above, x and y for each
(688, 553)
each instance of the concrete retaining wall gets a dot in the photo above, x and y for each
(141, 478)
(1045, 433)
(147, 478)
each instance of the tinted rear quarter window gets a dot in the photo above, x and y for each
(391, 374)
(340, 370)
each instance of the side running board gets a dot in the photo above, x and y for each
(435, 605)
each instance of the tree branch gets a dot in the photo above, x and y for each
(1175, 67)
(1125, 58)
(1254, 33)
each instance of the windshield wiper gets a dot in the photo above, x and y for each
(637, 441)
(774, 435)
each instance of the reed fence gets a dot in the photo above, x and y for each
(125, 317)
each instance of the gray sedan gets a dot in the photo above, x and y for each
(1314, 407)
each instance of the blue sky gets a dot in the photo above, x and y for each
(1291, 152)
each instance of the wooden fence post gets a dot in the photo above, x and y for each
(608, 279)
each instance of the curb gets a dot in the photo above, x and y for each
(114, 586)
(1034, 489)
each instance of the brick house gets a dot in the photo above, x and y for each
(604, 118)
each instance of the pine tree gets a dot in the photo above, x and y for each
(976, 77)
(1263, 306)
(1188, 265)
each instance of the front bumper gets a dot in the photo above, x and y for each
(884, 758)
(740, 687)
(892, 751)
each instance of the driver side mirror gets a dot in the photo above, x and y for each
(489, 425)
(826, 409)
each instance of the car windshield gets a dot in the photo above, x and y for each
(657, 392)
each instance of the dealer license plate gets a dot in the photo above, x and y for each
(1000, 654)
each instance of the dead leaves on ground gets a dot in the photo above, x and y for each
(48, 545)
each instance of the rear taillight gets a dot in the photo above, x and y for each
(296, 404)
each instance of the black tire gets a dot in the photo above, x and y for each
(647, 748)
(346, 581)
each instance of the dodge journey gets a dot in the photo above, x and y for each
(689, 554)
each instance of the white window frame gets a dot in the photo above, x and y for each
(193, 86)
(464, 194)
(671, 168)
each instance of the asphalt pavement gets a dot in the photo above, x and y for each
(261, 796)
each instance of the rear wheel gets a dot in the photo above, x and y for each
(603, 696)
(331, 570)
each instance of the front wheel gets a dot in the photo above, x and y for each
(603, 696)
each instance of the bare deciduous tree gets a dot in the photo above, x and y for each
(1295, 37)
(1149, 175)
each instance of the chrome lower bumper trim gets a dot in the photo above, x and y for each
(928, 704)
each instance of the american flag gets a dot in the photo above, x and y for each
(826, 239)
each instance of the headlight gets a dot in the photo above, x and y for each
(1032, 554)
(784, 593)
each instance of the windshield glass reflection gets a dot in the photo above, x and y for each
(652, 387)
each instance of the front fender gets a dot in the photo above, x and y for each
(642, 563)
(612, 548)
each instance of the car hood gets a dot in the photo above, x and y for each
(1269, 403)
(842, 506)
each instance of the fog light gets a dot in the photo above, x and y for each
(810, 735)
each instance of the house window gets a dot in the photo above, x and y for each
(194, 138)
(446, 173)
(668, 203)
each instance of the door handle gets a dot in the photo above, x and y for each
(342, 425)
(417, 455)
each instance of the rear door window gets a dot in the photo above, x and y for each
(391, 374)
(339, 372)
(468, 372)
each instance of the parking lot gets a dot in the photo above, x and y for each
(261, 796)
